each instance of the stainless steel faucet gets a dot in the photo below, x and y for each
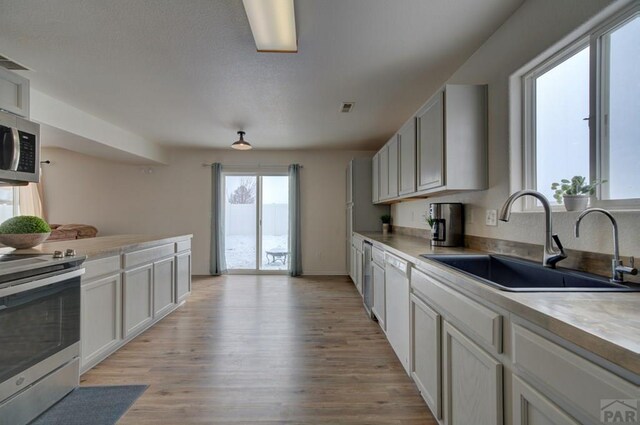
(618, 269)
(551, 257)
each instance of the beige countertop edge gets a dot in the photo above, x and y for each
(567, 315)
(102, 246)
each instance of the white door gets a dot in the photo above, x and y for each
(101, 307)
(430, 135)
(163, 286)
(183, 275)
(138, 299)
(532, 408)
(426, 360)
(472, 384)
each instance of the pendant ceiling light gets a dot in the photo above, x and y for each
(241, 144)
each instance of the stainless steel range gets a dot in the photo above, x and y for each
(39, 332)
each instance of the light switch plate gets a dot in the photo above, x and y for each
(491, 218)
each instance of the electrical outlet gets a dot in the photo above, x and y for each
(491, 218)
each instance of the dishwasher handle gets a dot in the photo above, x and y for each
(397, 263)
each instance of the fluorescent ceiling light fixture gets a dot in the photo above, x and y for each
(241, 144)
(273, 24)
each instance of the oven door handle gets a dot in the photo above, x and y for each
(15, 144)
(40, 283)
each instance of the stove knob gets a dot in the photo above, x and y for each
(70, 253)
(58, 254)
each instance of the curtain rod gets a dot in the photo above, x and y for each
(204, 164)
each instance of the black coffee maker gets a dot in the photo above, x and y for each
(447, 221)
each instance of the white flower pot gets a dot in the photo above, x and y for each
(23, 240)
(385, 228)
(575, 202)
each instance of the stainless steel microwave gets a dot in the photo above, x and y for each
(19, 150)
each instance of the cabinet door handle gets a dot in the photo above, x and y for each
(15, 158)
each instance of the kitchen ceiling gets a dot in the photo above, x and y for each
(186, 73)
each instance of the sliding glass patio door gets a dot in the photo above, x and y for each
(256, 221)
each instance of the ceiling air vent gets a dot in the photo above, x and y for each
(7, 63)
(347, 107)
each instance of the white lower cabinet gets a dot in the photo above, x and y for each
(124, 294)
(138, 299)
(472, 384)
(568, 379)
(352, 264)
(163, 286)
(532, 408)
(451, 344)
(379, 304)
(426, 349)
(183, 276)
(101, 314)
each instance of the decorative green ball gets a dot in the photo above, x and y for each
(24, 224)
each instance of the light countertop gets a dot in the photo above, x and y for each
(606, 324)
(101, 246)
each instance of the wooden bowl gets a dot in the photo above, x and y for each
(23, 240)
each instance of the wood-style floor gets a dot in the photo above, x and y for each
(265, 350)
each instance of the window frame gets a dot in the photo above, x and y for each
(15, 201)
(593, 38)
(258, 173)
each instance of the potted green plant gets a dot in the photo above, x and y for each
(24, 231)
(386, 223)
(575, 193)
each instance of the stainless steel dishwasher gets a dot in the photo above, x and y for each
(367, 278)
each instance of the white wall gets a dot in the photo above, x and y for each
(68, 127)
(532, 29)
(175, 199)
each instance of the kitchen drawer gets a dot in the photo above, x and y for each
(148, 255)
(378, 256)
(578, 382)
(183, 245)
(101, 267)
(485, 323)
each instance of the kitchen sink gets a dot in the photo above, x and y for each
(517, 275)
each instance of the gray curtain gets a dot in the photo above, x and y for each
(295, 244)
(218, 263)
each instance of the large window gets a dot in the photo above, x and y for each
(582, 114)
(8, 203)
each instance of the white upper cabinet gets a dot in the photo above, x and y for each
(452, 140)
(388, 170)
(14, 93)
(431, 143)
(407, 171)
(384, 173)
(375, 177)
(393, 167)
(442, 150)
